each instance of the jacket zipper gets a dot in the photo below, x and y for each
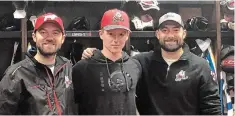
(168, 68)
(48, 100)
(54, 93)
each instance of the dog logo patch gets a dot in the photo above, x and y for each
(50, 17)
(181, 76)
(117, 17)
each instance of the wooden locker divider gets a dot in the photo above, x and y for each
(218, 40)
(23, 37)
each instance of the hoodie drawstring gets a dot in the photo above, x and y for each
(127, 85)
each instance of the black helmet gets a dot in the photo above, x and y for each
(79, 23)
(9, 23)
(230, 80)
(197, 24)
(227, 58)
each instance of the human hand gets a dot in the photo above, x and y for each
(88, 52)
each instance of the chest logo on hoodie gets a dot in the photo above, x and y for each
(118, 83)
(181, 76)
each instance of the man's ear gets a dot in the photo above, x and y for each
(101, 32)
(157, 34)
(34, 36)
(128, 35)
(184, 33)
(63, 38)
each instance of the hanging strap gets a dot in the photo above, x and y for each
(16, 44)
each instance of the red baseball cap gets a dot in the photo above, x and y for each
(114, 18)
(48, 17)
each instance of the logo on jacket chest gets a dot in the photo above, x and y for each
(181, 76)
(67, 81)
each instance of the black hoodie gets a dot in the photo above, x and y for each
(105, 87)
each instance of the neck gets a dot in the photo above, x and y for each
(46, 60)
(172, 55)
(110, 55)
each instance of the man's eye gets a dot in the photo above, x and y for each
(42, 32)
(176, 30)
(56, 33)
(110, 33)
(122, 34)
(164, 30)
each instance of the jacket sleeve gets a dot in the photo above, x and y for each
(143, 102)
(209, 93)
(10, 92)
(77, 80)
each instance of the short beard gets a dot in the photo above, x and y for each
(47, 54)
(163, 46)
(170, 50)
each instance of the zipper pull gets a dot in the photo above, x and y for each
(168, 68)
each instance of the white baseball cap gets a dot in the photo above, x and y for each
(170, 16)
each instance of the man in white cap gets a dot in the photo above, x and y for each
(174, 80)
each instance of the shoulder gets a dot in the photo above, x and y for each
(65, 59)
(143, 55)
(16, 68)
(135, 61)
(199, 62)
(24, 63)
(144, 58)
(81, 64)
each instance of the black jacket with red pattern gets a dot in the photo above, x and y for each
(30, 88)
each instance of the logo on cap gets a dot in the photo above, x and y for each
(169, 15)
(51, 17)
(117, 17)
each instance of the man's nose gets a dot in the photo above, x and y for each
(170, 35)
(115, 38)
(50, 36)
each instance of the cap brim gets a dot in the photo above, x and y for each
(109, 27)
(51, 21)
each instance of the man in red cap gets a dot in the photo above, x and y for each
(40, 84)
(105, 83)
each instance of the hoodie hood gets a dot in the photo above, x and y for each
(98, 56)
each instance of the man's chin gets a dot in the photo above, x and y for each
(167, 49)
(48, 54)
(116, 51)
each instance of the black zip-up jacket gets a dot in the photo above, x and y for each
(104, 87)
(186, 87)
(30, 88)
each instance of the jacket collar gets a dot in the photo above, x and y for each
(157, 54)
(59, 61)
